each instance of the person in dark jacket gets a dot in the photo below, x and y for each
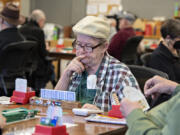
(126, 31)
(165, 58)
(9, 19)
(32, 30)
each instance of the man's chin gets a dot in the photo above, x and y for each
(86, 65)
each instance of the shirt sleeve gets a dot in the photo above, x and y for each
(140, 123)
(176, 91)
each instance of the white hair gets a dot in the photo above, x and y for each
(37, 15)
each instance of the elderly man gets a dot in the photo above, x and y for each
(32, 30)
(9, 19)
(126, 31)
(112, 76)
(161, 120)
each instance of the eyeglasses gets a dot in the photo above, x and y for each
(87, 47)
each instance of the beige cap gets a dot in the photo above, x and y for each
(93, 26)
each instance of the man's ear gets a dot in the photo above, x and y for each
(105, 46)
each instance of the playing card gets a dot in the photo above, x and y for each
(135, 95)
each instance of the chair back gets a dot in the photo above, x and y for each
(14, 58)
(145, 58)
(129, 52)
(142, 74)
(32, 58)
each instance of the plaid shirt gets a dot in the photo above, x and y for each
(113, 77)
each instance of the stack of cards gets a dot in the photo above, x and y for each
(115, 99)
(58, 95)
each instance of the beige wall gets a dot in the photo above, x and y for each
(63, 12)
(25, 7)
(68, 12)
(150, 8)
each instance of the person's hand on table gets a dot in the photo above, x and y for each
(2, 121)
(158, 85)
(90, 106)
(127, 106)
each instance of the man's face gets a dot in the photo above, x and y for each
(123, 23)
(42, 22)
(84, 46)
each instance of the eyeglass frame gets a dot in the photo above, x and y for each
(94, 47)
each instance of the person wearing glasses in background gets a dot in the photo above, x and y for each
(92, 59)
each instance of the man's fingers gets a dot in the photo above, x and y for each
(77, 68)
(90, 106)
(80, 57)
(150, 91)
(148, 84)
(81, 66)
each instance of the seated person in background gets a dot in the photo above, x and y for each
(119, 39)
(32, 30)
(91, 59)
(9, 19)
(165, 58)
(161, 120)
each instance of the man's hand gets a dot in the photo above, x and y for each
(158, 85)
(90, 106)
(2, 121)
(127, 106)
(75, 66)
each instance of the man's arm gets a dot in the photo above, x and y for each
(153, 86)
(140, 124)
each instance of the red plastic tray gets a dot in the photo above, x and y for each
(48, 130)
(22, 97)
(115, 112)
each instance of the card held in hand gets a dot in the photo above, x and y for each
(136, 95)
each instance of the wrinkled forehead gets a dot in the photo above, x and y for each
(86, 38)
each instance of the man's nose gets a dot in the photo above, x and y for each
(82, 51)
